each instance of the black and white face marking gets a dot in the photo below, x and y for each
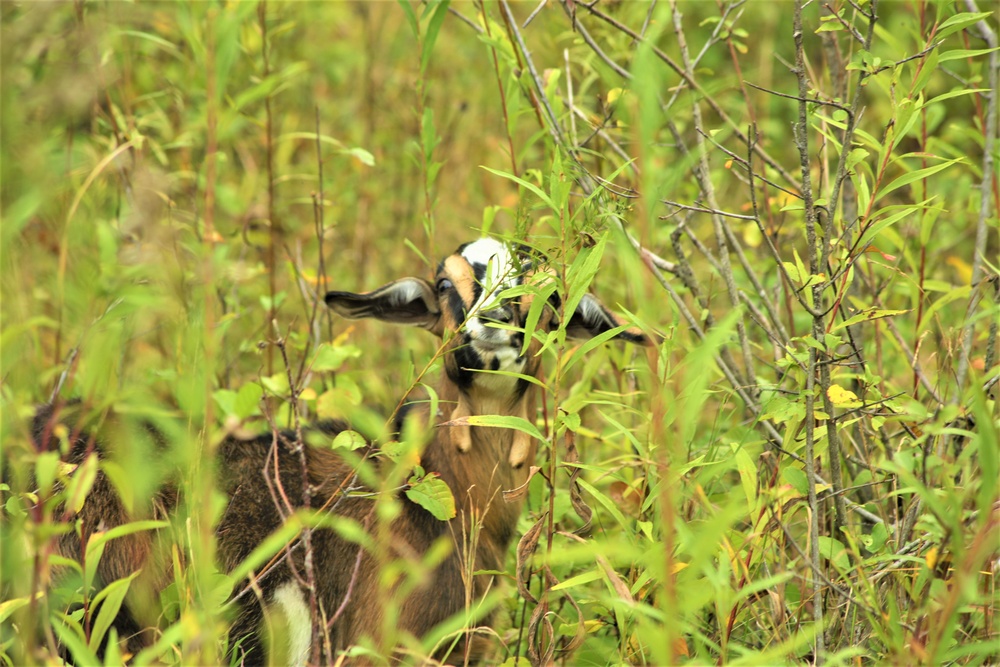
(487, 331)
(462, 304)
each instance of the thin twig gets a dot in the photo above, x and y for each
(701, 173)
(985, 198)
(709, 99)
(802, 144)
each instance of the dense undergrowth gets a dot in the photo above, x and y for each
(806, 470)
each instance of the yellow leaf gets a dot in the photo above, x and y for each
(752, 236)
(614, 94)
(962, 268)
(842, 398)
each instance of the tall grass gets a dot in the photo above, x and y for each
(802, 200)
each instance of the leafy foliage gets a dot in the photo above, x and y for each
(804, 204)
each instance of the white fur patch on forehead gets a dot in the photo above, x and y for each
(492, 253)
(495, 270)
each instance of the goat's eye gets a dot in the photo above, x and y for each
(443, 285)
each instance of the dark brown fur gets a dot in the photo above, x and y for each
(477, 463)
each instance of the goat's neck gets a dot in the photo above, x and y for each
(479, 463)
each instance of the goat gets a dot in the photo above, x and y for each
(483, 330)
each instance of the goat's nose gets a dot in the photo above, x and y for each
(503, 315)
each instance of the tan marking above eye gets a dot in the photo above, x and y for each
(460, 273)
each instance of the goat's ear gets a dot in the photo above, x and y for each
(591, 318)
(405, 301)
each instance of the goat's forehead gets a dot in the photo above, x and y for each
(487, 252)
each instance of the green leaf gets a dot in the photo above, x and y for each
(748, 476)
(914, 176)
(879, 536)
(987, 443)
(46, 469)
(361, 155)
(797, 478)
(608, 504)
(954, 294)
(431, 34)
(72, 638)
(959, 54)
(349, 440)
(960, 21)
(503, 421)
(864, 192)
(835, 551)
(958, 92)
(8, 607)
(97, 542)
(411, 17)
(332, 357)
(868, 315)
(226, 400)
(434, 495)
(578, 580)
(881, 223)
(581, 274)
(924, 75)
(525, 184)
(113, 596)
(247, 400)
(81, 483)
(112, 652)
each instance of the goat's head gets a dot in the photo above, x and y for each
(468, 305)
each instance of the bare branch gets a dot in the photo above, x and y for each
(986, 188)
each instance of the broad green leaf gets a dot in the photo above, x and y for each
(431, 33)
(226, 400)
(98, 540)
(954, 294)
(81, 483)
(581, 274)
(925, 73)
(113, 595)
(987, 442)
(958, 54)
(914, 176)
(578, 580)
(503, 421)
(958, 92)
(868, 315)
(434, 495)
(608, 504)
(350, 440)
(835, 551)
(797, 478)
(247, 400)
(411, 16)
(8, 607)
(864, 192)
(332, 357)
(72, 639)
(888, 216)
(528, 186)
(959, 22)
(112, 652)
(748, 476)
(46, 469)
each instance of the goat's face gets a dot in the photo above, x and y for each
(470, 305)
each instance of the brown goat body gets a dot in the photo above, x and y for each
(487, 366)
